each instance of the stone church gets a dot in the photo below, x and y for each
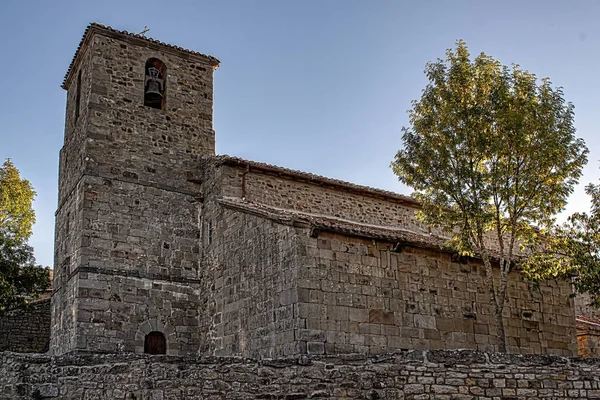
(164, 247)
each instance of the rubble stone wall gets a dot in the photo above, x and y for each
(26, 329)
(128, 140)
(410, 375)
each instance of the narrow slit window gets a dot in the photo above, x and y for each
(155, 343)
(78, 95)
(155, 84)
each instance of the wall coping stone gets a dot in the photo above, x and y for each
(449, 358)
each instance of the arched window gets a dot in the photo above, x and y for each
(155, 83)
(155, 343)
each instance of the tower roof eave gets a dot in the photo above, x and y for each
(96, 28)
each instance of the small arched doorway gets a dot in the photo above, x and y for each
(155, 343)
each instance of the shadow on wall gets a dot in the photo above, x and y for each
(26, 329)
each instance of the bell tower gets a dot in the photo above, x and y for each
(138, 118)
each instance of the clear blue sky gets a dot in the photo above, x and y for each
(320, 86)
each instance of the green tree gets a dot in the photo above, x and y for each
(20, 279)
(492, 154)
(16, 197)
(573, 251)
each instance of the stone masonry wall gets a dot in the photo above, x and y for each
(127, 221)
(132, 141)
(67, 256)
(414, 375)
(138, 265)
(588, 342)
(26, 329)
(251, 264)
(357, 295)
(124, 139)
(72, 154)
(583, 307)
(310, 197)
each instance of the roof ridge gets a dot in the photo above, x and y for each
(95, 25)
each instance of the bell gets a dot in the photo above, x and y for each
(153, 90)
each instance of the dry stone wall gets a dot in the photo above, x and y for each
(414, 375)
(26, 329)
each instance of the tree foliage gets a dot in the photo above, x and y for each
(492, 154)
(20, 279)
(16, 196)
(573, 251)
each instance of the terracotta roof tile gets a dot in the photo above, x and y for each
(587, 323)
(96, 27)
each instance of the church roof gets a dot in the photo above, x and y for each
(327, 223)
(109, 31)
(316, 179)
(587, 323)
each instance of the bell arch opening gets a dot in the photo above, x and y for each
(155, 84)
(155, 343)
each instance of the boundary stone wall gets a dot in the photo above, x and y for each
(413, 374)
(26, 329)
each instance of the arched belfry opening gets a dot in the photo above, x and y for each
(155, 84)
(155, 343)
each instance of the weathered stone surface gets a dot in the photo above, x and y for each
(447, 375)
(156, 233)
(127, 225)
(26, 329)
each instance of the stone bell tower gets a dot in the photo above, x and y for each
(139, 116)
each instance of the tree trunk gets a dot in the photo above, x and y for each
(496, 299)
(500, 326)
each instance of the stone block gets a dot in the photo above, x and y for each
(425, 322)
(315, 348)
(358, 314)
(379, 316)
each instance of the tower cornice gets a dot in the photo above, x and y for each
(137, 39)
